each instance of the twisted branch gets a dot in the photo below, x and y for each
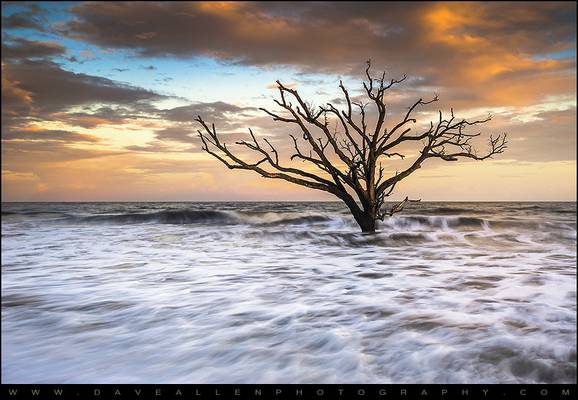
(359, 178)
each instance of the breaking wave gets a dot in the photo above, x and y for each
(186, 217)
(177, 217)
(271, 219)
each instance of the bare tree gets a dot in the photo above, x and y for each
(346, 161)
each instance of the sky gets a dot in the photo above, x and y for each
(99, 98)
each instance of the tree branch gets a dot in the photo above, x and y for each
(348, 159)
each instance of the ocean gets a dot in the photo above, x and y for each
(275, 292)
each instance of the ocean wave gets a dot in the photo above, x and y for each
(417, 221)
(183, 217)
(437, 221)
(31, 213)
(175, 217)
(454, 211)
(298, 220)
(399, 223)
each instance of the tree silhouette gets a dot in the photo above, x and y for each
(346, 160)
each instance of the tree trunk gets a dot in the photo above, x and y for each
(367, 225)
(364, 218)
(365, 221)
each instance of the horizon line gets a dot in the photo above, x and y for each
(278, 201)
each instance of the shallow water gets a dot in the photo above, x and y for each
(287, 293)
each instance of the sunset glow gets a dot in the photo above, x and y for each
(99, 97)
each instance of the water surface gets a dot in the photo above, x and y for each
(287, 293)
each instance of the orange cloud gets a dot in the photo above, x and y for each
(14, 98)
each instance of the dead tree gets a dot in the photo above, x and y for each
(346, 161)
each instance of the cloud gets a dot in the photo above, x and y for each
(153, 147)
(184, 129)
(28, 93)
(93, 117)
(41, 90)
(45, 78)
(215, 112)
(27, 19)
(38, 94)
(23, 154)
(322, 34)
(43, 102)
(482, 53)
(550, 137)
(14, 48)
(50, 135)
(176, 134)
(15, 100)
